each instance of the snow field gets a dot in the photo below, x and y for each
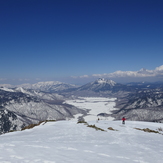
(95, 105)
(69, 142)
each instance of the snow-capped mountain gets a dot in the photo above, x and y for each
(105, 81)
(98, 85)
(49, 86)
(101, 85)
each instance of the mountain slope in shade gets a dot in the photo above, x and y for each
(146, 105)
(20, 107)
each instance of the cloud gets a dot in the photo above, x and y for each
(141, 74)
(84, 76)
(158, 71)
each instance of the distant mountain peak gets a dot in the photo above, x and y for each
(48, 83)
(100, 84)
(49, 86)
(105, 81)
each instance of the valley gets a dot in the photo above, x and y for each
(103, 98)
(96, 107)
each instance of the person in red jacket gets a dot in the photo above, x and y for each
(123, 120)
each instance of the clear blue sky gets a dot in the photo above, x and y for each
(53, 39)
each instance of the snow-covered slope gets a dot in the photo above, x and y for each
(69, 142)
(145, 105)
(49, 86)
(6, 89)
(20, 107)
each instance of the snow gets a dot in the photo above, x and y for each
(95, 105)
(5, 111)
(104, 81)
(6, 89)
(69, 142)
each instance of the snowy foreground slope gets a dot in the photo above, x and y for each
(69, 142)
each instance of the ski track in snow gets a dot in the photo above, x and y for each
(69, 142)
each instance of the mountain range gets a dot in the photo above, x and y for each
(49, 86)
(27, 104)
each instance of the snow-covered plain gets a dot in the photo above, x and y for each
(69, 142)
(95, 105)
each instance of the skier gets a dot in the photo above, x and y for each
(123, 120)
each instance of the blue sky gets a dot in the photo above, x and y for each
(66, 39)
